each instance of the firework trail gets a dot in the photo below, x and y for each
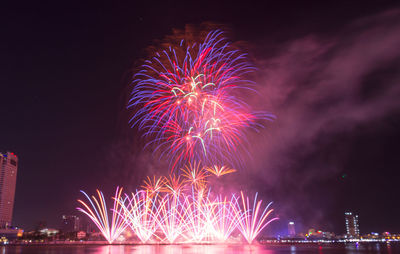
(186, 217)
(140, 213)
(171, 219)
(225, 218)
(187, 105)
(99, 215)
(253, 222)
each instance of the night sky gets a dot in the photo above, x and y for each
(329, 71)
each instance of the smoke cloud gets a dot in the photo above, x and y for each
(322, 89)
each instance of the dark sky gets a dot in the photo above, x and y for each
(328, 70)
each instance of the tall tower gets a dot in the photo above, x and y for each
(8, 179)
(291, 229)
(352, 227)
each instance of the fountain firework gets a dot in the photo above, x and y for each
(98, 213)
(187, 214)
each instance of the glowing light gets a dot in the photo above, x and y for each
(97, 212)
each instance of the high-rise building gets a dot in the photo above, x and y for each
(8, 179)
(352, 227)
(291, 229)
(70, 223)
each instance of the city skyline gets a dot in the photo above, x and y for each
(332, 147)
(71, 223)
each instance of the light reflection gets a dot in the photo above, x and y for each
(111, 249)
(183, 249)
(389, 248)
(201, 248)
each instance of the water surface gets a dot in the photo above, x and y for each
(370, 248)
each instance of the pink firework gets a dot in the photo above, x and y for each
(186, 102)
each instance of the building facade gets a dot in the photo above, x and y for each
(352, 227)
(8, 179)
(70, 223)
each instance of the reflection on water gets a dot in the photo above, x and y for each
(209, 249)
(172, 249)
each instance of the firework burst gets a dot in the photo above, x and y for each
(174, 184)
(153, 186)
(220, 171)
(186, 102)
(195, 175)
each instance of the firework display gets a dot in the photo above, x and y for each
(186, 212)
(187, 102)
(97, 212)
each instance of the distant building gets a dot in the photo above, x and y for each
(80, 235)
(352, 227)
(314, 234)
(328, 235)
(70, 223)
(49, 231)
(8, 179)
(291, 229)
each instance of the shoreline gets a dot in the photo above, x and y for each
(105, 243)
